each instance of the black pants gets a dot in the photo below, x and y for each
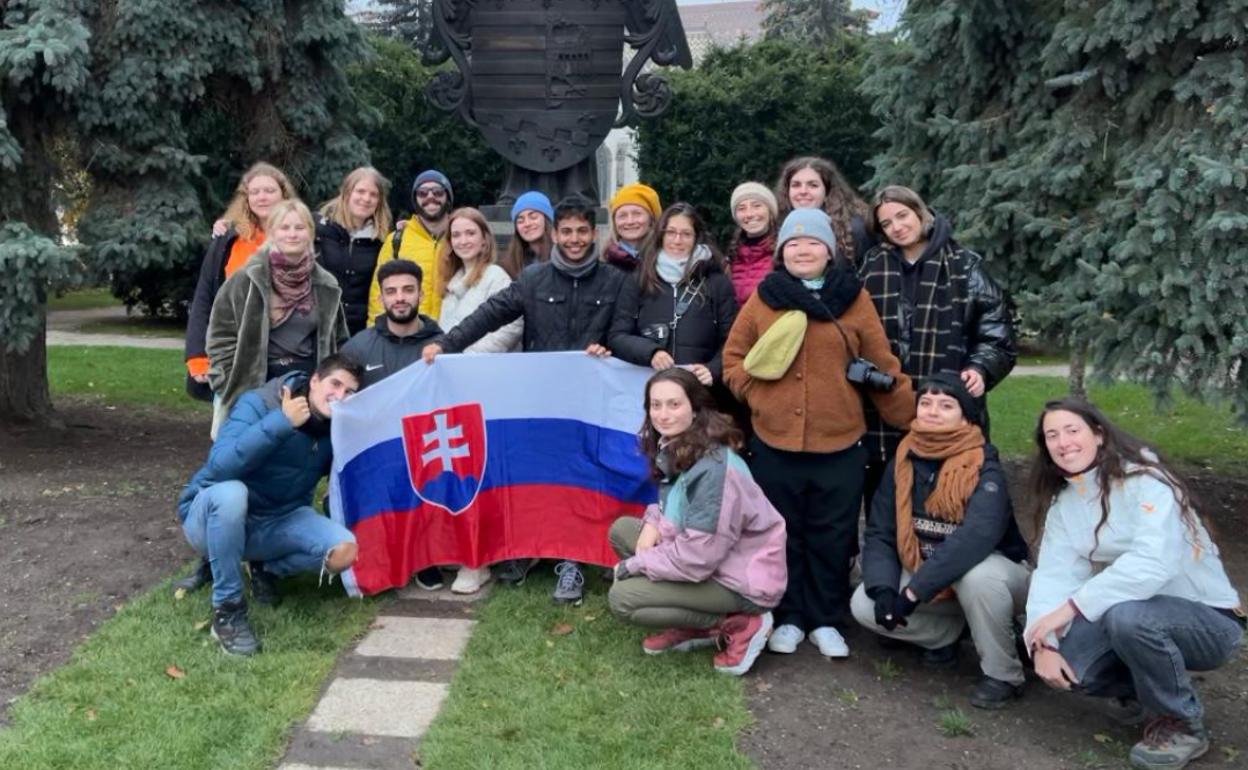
(818, 495)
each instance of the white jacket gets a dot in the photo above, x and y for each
(1143, 550)
(461, 300)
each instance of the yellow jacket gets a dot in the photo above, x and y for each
(420, 246)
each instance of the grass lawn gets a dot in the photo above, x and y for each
(151, 688)
(1198, 435)
(83, 299)
(551, 687)
(137, 325)
(122, 377)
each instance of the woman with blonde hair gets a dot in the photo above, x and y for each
(349, 233)
(239, 234)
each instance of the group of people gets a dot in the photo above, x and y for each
(833, 361)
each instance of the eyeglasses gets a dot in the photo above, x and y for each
(430, 192)
(679, 235)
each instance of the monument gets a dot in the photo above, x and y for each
(545, 80)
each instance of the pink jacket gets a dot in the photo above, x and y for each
(715, 523)
(750, 264)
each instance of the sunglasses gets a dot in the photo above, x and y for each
(430, 192)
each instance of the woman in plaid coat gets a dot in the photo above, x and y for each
(941, 311)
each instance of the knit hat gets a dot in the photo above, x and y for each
(953, 385)
(433, 175)
(636, 194)
(757, 192)
(533, 200)
(807, 223)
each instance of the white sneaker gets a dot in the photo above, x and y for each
(830, 642)
(469, 581)
(785, 639)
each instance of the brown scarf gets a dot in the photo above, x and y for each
(292, 285)
(962, 450)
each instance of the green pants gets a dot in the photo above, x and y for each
(667, 603)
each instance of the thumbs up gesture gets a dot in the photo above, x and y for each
(296, 409)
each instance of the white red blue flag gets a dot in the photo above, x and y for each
(481, 458)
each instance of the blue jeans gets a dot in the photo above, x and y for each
(1144, 649)
(218, 527)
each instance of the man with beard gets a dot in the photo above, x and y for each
(400, 331)
(252, 499)
(417, 239)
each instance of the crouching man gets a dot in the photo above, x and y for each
(942, 550)
(252, 499)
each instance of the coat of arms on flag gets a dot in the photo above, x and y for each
(446, 455)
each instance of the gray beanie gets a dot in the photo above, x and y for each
(807, 223)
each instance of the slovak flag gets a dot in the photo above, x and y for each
(481, 458)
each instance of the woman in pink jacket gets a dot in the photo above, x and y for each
(707, 562)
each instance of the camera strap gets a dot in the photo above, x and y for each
(687, 296)
(848, 348)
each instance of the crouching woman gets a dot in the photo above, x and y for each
(942, 550)
(1129, 593)
(706, 564)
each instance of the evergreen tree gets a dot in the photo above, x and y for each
(744, 111)
(817, 21)
(125, 84)
(1098, 153)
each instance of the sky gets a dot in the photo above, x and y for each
(889, 10)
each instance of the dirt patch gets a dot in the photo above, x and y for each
(881, 708)
(86, 521)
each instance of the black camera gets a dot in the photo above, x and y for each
(862, 372)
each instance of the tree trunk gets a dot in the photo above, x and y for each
(1078, 371)
(24, 395)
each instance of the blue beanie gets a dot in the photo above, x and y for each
(807, 223)
(433, 175)
(537, 202)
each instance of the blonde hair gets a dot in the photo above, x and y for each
(449, 262)
(279, 213)
(338, 209)
(239, 214)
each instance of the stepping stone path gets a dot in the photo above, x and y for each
(383, 694)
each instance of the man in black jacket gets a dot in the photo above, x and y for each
(943, 551)
(567, 304)
(396, 338)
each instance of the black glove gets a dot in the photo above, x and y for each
(903, 608)
(885, 618)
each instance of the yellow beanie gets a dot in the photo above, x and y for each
(636, 194)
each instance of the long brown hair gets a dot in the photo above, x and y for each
(710, 428)
(841, 202)
(513, 259)
(239, 214)
(902, 196)
(647, 268)
(1117, 452)
(339, 210)
(449, 262)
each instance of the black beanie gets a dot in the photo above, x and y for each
(952, 384)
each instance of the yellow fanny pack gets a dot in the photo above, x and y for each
(773, 353)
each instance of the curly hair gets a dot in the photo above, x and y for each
(841, 202)
(710, 429)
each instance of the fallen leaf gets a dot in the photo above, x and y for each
(203, 624)
(762, 686)
(550, 643)
(1102, 738)
(562, 629)
(179, 594)
(173, 672)
(718, 723)
(91, 715)
(590, 618)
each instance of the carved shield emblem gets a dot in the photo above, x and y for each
(446, 455)
(547, 111)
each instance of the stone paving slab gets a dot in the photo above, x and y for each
(354, 666)
(329, 751)
(301, 766)
(430, 638)
(378, 707)
(445, 594)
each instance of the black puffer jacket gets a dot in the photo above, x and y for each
(696, 338)
(559, 312)
(987, 526)
(352, 261)
(211, 277)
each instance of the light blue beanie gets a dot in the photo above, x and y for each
(537, 202)
(807, 223)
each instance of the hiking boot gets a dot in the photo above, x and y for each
(469, 581)
(570, 589)
(786, 638)
(231, 628)
(743, 637)
(1169, 744)
(264, 586)
(830, 642)
(201, 577)
(942, 658)
(679, 640)
(429, 579)
(994, 694)
(514, 571)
